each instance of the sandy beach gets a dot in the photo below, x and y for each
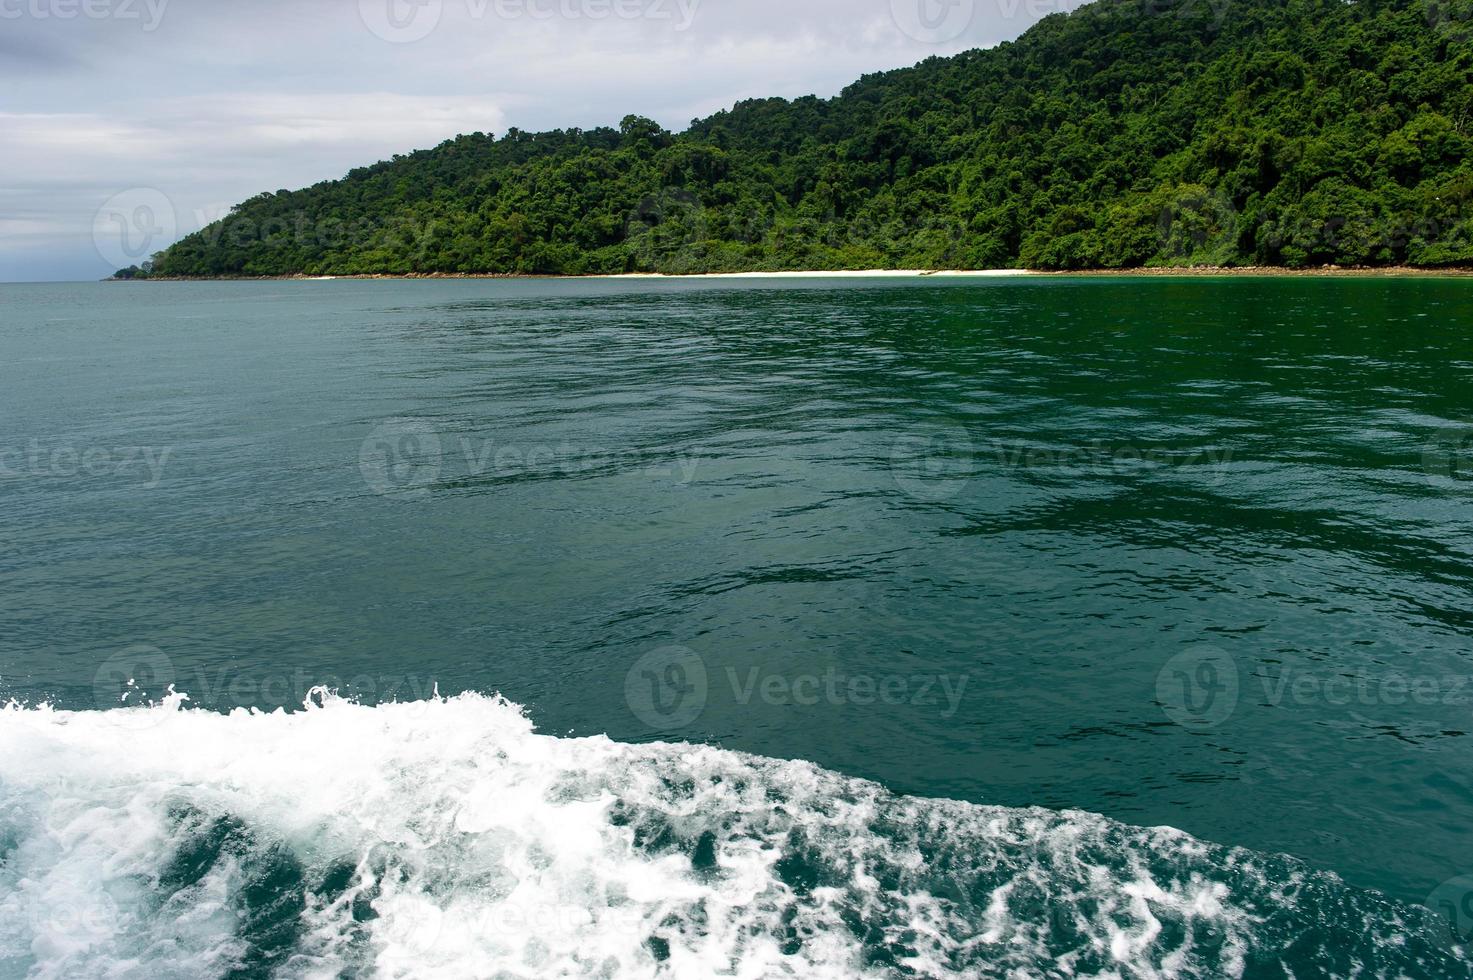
(1164, 271)
(1159, 272)
(849, 274)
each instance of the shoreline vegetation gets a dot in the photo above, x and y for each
(1127, 137)
(1338, 272)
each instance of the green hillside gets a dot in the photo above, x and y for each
(1129, 133)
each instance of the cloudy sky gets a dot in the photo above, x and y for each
(189, 106)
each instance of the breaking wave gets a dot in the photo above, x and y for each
(447, 838)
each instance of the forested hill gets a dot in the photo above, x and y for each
(1129, 133)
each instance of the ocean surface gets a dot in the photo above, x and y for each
(1047, 627)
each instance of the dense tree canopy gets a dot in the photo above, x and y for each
(1129, 133)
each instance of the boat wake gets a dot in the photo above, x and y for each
(447, 838)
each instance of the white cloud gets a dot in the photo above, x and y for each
(199, 151)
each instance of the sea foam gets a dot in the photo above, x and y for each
(447, 838)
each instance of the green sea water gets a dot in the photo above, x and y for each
(1193, 553)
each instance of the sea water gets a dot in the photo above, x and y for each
(977, 628)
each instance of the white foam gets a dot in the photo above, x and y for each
(448, 839)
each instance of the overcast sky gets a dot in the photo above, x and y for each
(191, 106)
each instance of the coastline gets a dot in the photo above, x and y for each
(1189, 272)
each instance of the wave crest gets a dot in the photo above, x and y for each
(449, 838)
